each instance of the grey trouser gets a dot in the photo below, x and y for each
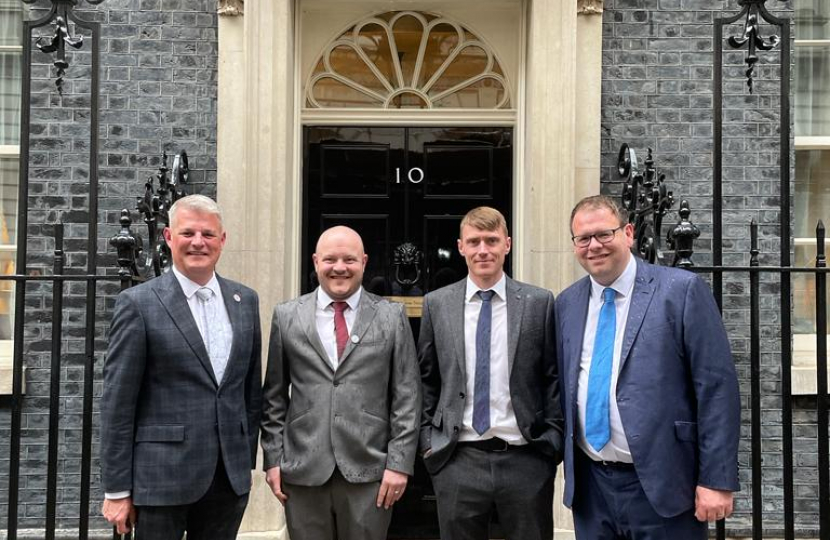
(337, 510)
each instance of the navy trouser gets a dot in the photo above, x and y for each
(610, 504)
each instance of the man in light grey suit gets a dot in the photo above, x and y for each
(182, 391)
(491, 429)
(342, 400)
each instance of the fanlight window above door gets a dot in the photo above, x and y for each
(408, 60)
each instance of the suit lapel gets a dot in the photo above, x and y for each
(456, 324)
(174, 302)
(366, 310)
(515, 308)
(640, 300)
(232, 299)
(308, 322)
(575, 330)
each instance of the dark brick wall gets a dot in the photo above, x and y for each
(158, 92)
(657, 86)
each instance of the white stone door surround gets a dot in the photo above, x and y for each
(556, 93)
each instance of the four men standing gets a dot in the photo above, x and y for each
(645, 455)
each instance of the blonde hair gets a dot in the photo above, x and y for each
(484, 218)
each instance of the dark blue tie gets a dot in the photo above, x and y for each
(597, 423)
(481, 397)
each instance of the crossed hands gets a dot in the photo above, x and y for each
(712, 504)
(121, 513)
(391, 487)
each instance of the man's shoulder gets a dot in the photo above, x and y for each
(667, 274)
(573, 292)
(290, 306)
(146, 288)
(446, 291)
(238, 288)
(528, 289)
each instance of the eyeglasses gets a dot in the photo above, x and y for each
(603, 237)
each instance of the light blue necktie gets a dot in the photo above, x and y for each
(597, 423)
(481, 397)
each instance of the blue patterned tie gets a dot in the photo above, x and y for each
(481, 398)
(597, 423)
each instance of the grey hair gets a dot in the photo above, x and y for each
(195, 203)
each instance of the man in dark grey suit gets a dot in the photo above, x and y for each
(342, 400)
(491, 429)
(182, 392)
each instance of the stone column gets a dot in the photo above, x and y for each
(562, 149)
(547, 193)
(255, 147)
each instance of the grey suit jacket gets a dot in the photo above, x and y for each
(164, 417)
(534, 382)
(362, 418)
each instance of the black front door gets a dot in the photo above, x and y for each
(404, 190)
(398, 186)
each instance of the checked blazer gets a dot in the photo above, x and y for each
(165, 419)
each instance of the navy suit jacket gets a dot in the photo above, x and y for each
(677, 391)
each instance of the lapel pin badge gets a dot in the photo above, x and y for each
(355, 339)
(237, 297)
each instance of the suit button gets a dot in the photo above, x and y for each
(455, 428)
(461, 395)
(336, 383)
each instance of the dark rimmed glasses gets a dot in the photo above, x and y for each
(603, 237)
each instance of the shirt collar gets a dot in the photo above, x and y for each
(500, 288)
(189, 287)
(324, 300)
(623, 285)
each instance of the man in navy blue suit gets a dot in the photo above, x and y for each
(649, 391)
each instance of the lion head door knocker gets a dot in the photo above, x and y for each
(407, 262)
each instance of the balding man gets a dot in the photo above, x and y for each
(342, 401)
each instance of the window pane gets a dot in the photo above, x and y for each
(812, 91)
(804, 291)
(812, 191)
(812, 19)
(11, 22)
(8, 227)
(9, 98)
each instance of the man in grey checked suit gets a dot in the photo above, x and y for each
(342, 400)
(491, 429)
(182, 392)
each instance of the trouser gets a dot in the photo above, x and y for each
(516, 484)
(336, 510)
(215, 516)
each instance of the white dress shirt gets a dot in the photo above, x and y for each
(617, 448)
(502, 418)
(324, 315)
(189, 288)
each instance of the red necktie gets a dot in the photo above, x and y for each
(341, 333)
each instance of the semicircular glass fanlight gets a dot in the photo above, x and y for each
(407, 60)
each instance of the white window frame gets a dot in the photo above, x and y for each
(7, 345)
(803, 371)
